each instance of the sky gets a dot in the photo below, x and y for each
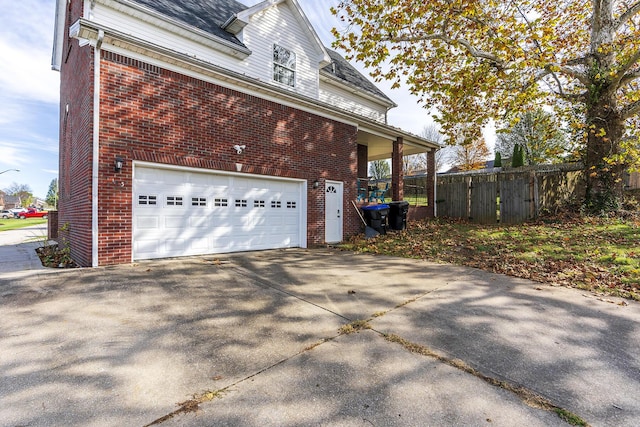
(29, 90)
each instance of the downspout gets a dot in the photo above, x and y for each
(96, 149)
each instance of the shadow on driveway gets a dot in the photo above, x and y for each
(124, 345)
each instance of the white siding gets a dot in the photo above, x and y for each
(273, 25)
(349, 101)
(278, 25)
(127, 24)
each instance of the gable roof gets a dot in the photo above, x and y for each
(341, 69)
(206, 15)
(216, 17)
(241, 19)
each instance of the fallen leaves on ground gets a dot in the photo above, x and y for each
(596, 254)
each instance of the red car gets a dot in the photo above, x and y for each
(33, 213)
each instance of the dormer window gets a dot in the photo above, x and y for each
(284, 66)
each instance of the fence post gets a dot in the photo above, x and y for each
(536, 195)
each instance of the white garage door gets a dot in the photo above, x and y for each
(178, 213)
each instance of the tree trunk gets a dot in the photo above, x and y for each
(604, 188)
(605, 124)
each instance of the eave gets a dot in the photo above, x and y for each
(327, 77)
(58, 36)
(236, 24)
(179, 28)
(88, 32)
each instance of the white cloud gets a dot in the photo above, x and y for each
(11, 111)
(26, 39)
(30, 143)
(12, 156)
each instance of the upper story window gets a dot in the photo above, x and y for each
(284, 66)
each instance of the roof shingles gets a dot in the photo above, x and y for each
(210, 15)
(206, 15)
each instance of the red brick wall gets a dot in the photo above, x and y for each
(431, 175)
(75, 155)
(397, 180)
(363, 161)
(151, 114)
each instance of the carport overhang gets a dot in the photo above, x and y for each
(380, 147)
(377, 141)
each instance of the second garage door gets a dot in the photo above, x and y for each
(180, 212)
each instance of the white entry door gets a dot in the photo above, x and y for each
(333, 211)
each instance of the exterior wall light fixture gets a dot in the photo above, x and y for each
(119, 162)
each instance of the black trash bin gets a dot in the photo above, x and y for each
(376, 217)
(398, 215)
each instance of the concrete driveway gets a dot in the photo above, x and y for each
(253, 339)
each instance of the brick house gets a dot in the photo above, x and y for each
(194, 127)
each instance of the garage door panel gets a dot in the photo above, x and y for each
(180, 213)
(146, 247)
(147, 222)
(175, 222)
(199, 222)
(173, 247)
(199, 243)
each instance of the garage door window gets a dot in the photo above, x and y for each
(174, 200)
(220, 202)
(198, 201)
(241, 203)
(291, 205)
(276, 204)
(146, 200)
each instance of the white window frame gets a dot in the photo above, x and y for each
(285, 66)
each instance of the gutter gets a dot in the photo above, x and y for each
(89, 30)
(149, 15)
(58, 36)
(349, 87)
(96, 148)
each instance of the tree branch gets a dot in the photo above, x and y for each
(582, 60)
(548, 70)
(628, 78)
(626, 16)
(476, 53)
(630, 110)
(622, 71)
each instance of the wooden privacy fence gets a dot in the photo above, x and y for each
(509, 196)
(632, 181)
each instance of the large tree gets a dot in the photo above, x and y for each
(476, 60)
(420, 162)
(22, 191)
(471, 155)
(379, 169)
(52, 194)
(540, 136)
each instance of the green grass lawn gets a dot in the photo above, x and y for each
(598, 254)
(416, 200)
(13, 223)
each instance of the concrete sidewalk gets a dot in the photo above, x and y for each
(254, 336)
(18, 257)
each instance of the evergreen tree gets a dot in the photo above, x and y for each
(52, 194)
(497, 162)
(518, 156)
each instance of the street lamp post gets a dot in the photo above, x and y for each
(9, 170)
